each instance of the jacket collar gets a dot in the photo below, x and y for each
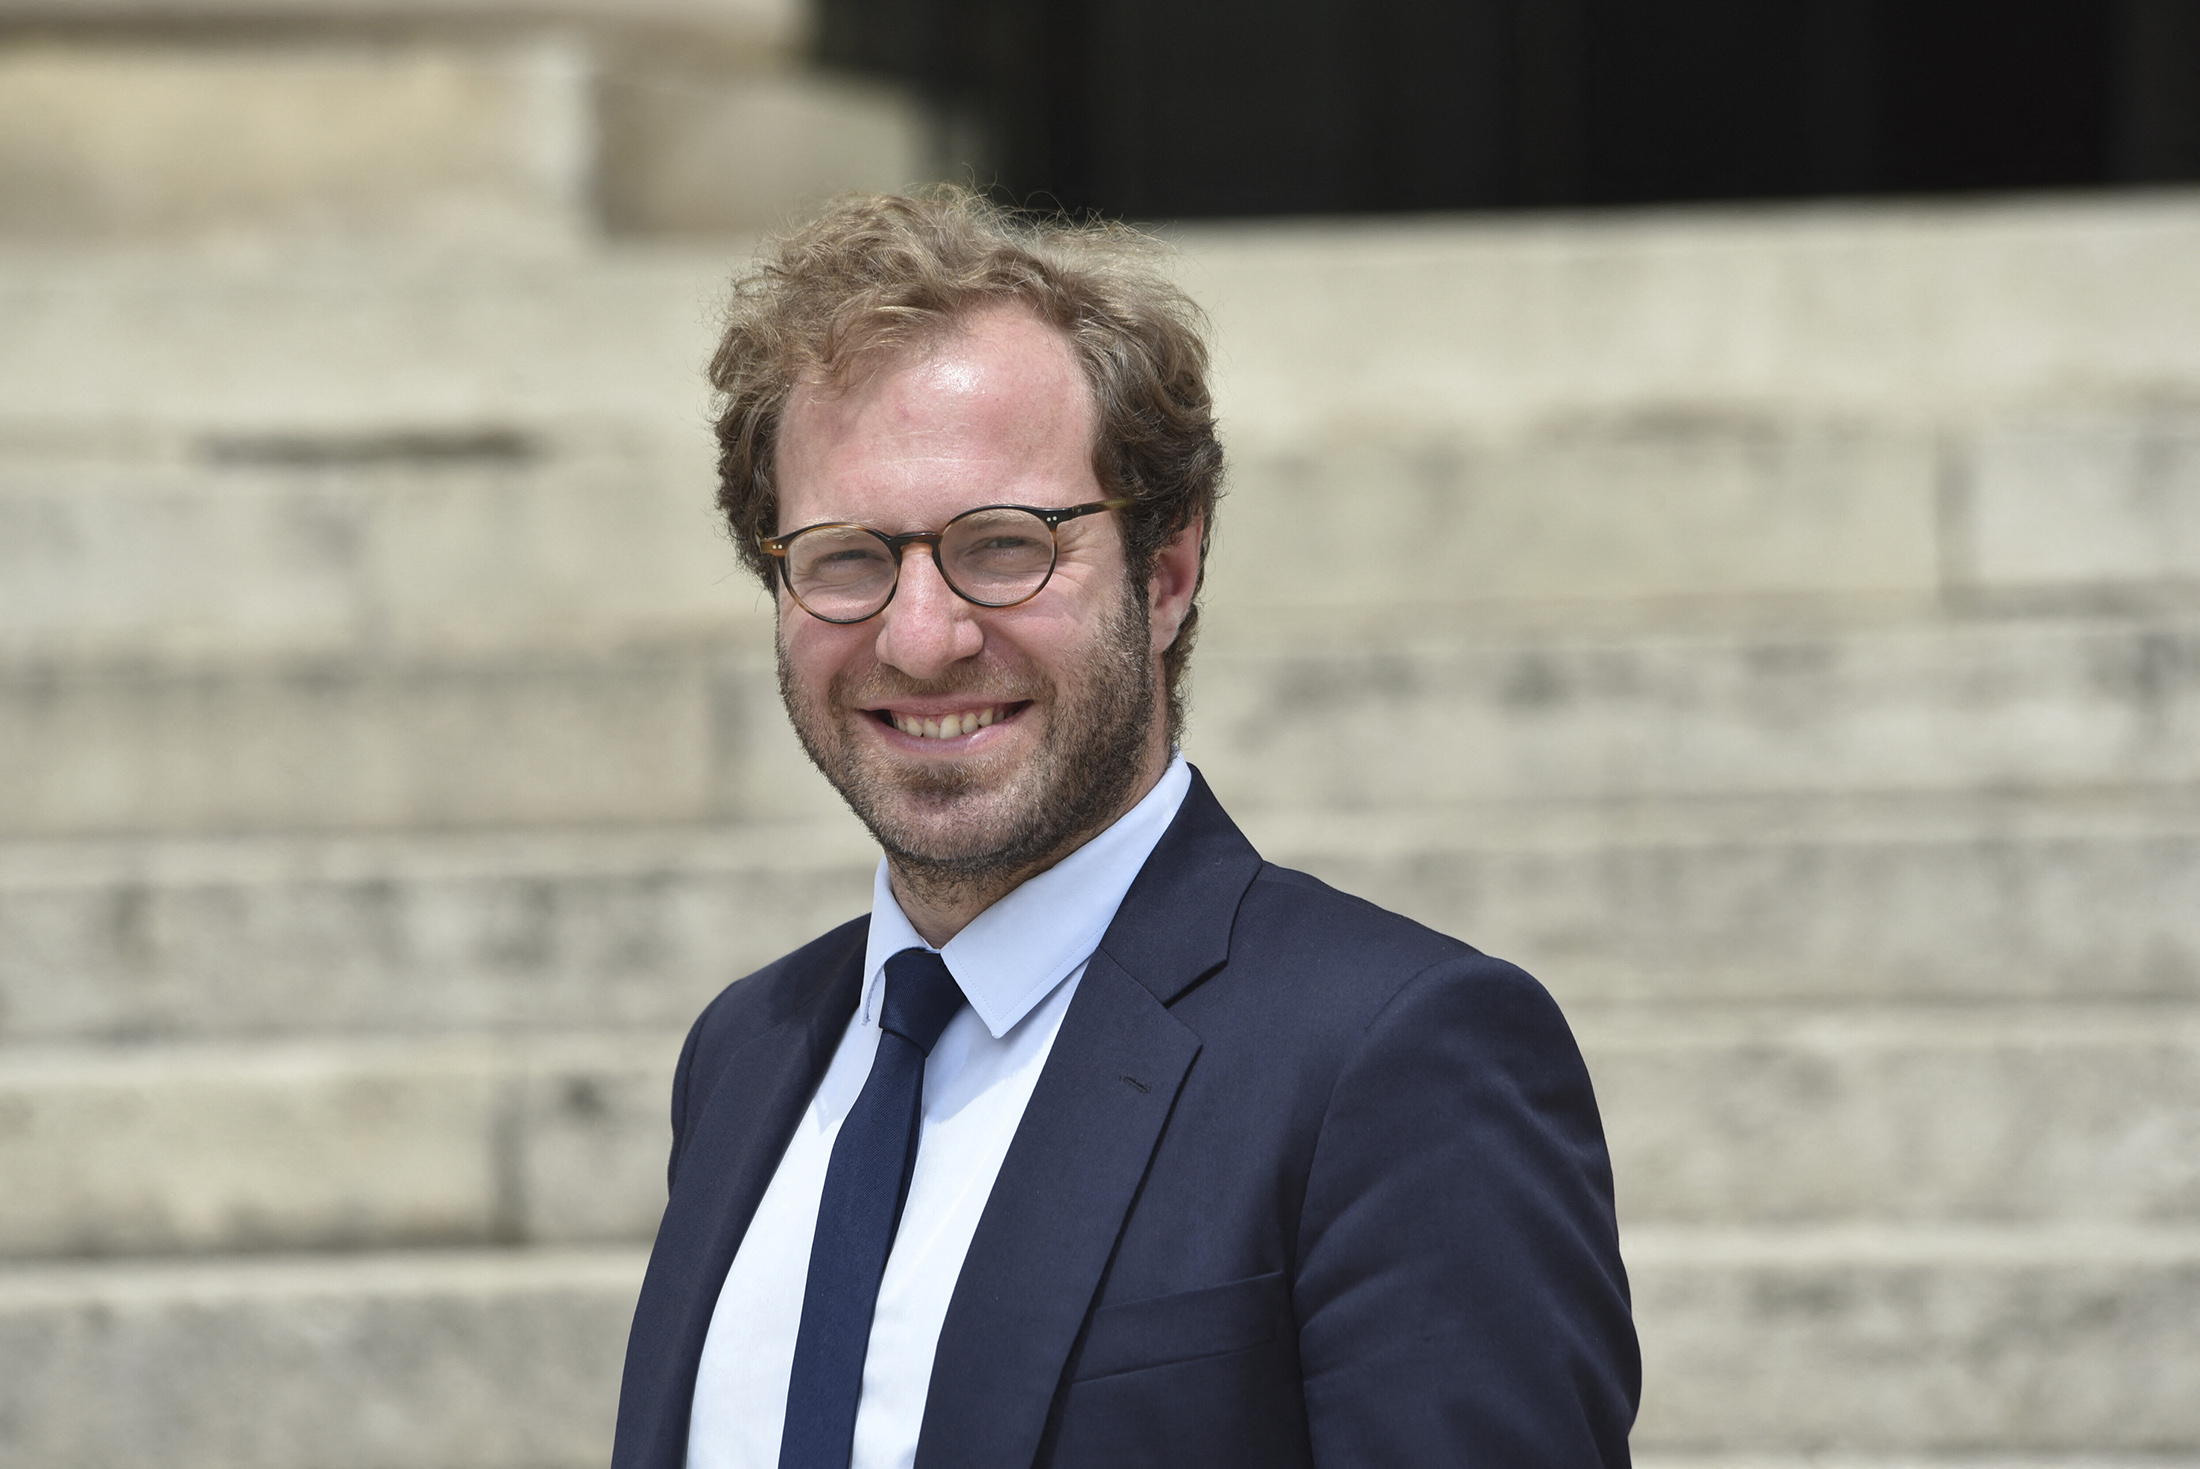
(1173, 928)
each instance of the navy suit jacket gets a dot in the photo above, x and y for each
(1302, 1182)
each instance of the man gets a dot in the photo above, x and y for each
(1099, 1142)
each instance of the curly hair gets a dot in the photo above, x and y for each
(880, 273)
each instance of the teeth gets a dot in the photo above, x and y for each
(947, 726)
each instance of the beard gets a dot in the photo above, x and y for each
(973, 824)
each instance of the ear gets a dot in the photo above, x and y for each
(1175, 579)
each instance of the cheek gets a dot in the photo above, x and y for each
(813, 653)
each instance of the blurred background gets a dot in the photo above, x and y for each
(1715, 517)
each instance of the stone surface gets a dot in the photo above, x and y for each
(457, 1361)
(1915, 1461)
(386, 744)
(501, 538)
(1988, 1343)
(1680, 506)
(239, 1148)
(276, 547)
(1389, 717)
(1351, 719)
(310, 1145)
(557, 931)
(1900, 316)
(1845, 899)
(546, 933)
(1957, 1460)
(1789, 1116)
(251, 343)
(2105, 500)
(1894, 312)
(136, 141)
(1962, 1341)
(780, 19)
(699, 153)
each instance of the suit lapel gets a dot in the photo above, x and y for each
(762, 1087)
(1074, 1168)
(1051, 1223)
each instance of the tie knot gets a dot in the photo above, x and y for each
(921, 997)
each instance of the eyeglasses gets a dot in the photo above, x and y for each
(994, 556)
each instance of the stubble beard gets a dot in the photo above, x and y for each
(953, 829)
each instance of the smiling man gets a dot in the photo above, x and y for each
(1098, 1141)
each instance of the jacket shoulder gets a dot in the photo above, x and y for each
(1294, 920)
(757, 1002)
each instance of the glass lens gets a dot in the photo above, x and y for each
(840, 571)
(997, 556)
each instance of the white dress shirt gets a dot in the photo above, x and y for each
(1018, 963)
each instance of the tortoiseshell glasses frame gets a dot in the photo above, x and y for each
(990, 556)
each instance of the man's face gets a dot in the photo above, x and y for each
(972, 741)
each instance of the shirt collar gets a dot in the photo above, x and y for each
(1012, 955)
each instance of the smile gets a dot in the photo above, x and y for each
(948, 726)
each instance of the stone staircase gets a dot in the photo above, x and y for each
(1778, 630)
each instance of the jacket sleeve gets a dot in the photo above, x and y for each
(1459, 1289)
(680, 1077)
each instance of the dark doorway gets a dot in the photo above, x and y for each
(1182, 108)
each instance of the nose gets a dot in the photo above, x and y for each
(926, 629)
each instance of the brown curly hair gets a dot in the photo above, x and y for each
(881, 272)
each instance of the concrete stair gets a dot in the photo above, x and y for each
(464, 123)
(1797, 665)
(1939, 902)
(422, 1359)
(691, 731)
(2006, 1118)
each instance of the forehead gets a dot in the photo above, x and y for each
(995, 409)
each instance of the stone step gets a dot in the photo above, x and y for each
(1883, 312)
(478, 1360)
(1370, 329)
(302, 546)
(2067, 1115)
(648, 734)
(1958, 1459)
(555, 932)
(164, 346)
(326, 1146)
(1834, 901)
(1887, 1342)
(428, 125)
(1900, 1114)
(1289, 717)
(458, 143)
(497, 534)
(774, 20)
(1847, 899)
(541, 537)
(2016, 1346)
(1376, 718)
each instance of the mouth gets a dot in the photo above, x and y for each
(948, 724)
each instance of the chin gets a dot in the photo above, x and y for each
(975, 817)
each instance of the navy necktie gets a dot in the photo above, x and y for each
(865, 1185)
